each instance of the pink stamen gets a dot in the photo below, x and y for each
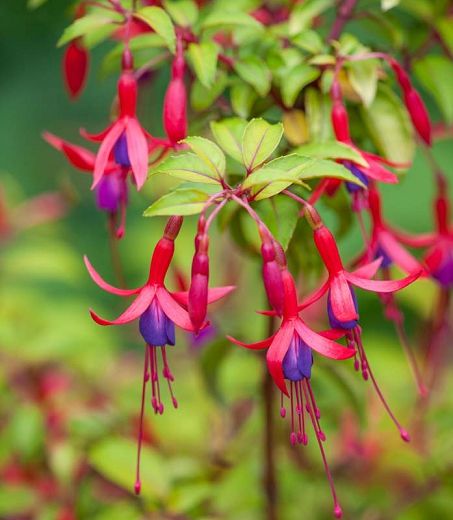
(138, 485)
(403, 433)
(305, 385)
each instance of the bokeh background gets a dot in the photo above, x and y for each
(70, 390)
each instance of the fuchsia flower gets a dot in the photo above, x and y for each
(158, 312)
(385, 241)
(439, 257)
(125, 137)
(112, 190)
(342, 307)
(289, 357)
(271, 272)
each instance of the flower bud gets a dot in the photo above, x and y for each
(419, 115)
(340, 121)
(175, 111)
(198, 292)
(75, 67)
(272, 277)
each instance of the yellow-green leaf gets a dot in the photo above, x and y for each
(259, 141)
(159, 20)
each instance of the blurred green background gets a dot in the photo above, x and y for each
(70, 390)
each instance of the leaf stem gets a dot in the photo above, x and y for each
(345, 12)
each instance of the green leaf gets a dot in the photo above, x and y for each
(159, 20)
(389, 126)
(115, 460)
(255, 72)
(34, 4)
(209, 153)
(183, 12)
(318, 108)
(16, 501)
(85, 25)
(363, 76)
(445, 28)
(331, 150)
(284, 171)
(243, 98)
(203, 57)
(221, 19)
(228, 133)
(27, 431)
(202, 98)
(260, 139)
(187, 166)
(386, 5)
(182, 201)
(309, 41)
(302, 15)
(295, 80)
(281, 215)
(435, 73)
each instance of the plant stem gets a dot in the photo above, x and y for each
(344, 14)
(115, 254)
(269, 477)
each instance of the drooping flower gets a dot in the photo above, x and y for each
(125, 137)
(112, 190)
(158, 311)
(272, 276)
(290, 359)
(385, 242)
(439, 256)
(342, 307)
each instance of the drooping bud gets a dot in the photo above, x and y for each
(75, 67)
(340, 121)
(414, 103)
(419, 115)
(272, 276)
(175, 102)
(199, 284)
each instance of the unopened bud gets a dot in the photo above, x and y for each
(175, 111)
(173, 227)
(340, 121)
(199, 284)
(419, 115)
(75, 67)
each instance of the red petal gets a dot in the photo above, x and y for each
(138, 307)
(97, 138)
(333, 333)
(321, 344)
(368, 270)
(397, 253)
(214, 294)
(422, 240)
(276, 354)
(173, 310)
(105, 149)
(382, 160)
(79, 157)
(137, 148)
(341, 298)
(383, 286)
(259, 345)
(314, 296)
(106, 286)
(379, 173)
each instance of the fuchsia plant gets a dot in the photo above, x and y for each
(210, 54)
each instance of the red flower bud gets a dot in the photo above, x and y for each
(340, 121)
(75, 67)
(419, 115)
(272, 278)
(198, 292)
(401, 76)
(175, 111)
(164, 250)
